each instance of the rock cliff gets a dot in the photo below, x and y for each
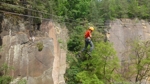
(37, 53)
(125, 30)
(121, 34)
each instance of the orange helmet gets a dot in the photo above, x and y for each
(91, 28)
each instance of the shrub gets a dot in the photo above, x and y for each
(5, 79)
(40, 46)
(74, 44)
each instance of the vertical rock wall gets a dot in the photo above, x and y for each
(59, 64)
(20, 50)
(125, 30)
(122, 33)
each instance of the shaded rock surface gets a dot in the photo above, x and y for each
(124, 31)
(20, 51)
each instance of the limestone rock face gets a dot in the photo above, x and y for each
(44, 64)
(59, 64)
(125, 30)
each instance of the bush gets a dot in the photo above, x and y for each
(74, 44)
(22, 81)
(76, 37)
(40, 46)
(5, 79)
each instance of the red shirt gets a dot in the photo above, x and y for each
(87, 33)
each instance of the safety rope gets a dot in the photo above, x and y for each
(6, 12)
(29, 9)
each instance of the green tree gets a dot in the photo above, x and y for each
(101, 67)
(75, 42)
(133, 9)
(95, 15)
(138, 63)
(87, 77)
(121, 8)
(139, 58)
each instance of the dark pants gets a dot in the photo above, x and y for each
(88, 42)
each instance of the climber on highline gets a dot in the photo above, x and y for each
(88, 41)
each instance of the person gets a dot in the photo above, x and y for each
(88, 40)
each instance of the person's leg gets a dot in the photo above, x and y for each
(91, 46)
(86, 45)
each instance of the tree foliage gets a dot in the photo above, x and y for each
(4, 77)
(139, 56)
(75, 42)
(75, 12)
(105, 62)
(101, 68)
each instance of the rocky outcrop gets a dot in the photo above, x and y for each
(35, 54)
(59, 63)
(122, 33)
(125, 30)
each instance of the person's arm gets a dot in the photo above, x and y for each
(90, 35)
